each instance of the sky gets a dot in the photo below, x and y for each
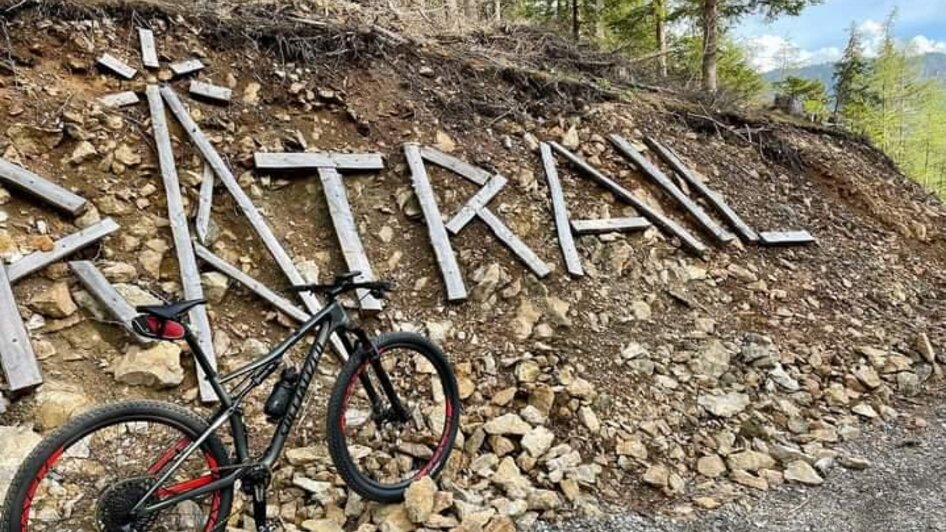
(821, 32)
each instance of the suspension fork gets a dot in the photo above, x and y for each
(367, 348)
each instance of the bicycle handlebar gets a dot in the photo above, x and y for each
(345, 284)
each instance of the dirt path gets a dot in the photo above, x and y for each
(904, 489)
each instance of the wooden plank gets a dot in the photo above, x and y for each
(785, 238)
(119, 99)
(523, 251)
(708, 224)
(204, 204)
(347, 232)
(609, 225)
(63, 247)
(117, 66)
(53, 194)
(189, 66)
(149, 54)
(246, 205)
(16, 354)
(210, 91)
(690, 242)
(447, 261)
(103, 292)
(297, 161)
(186, 260)
(462, 168)
(714, 198)
(560, 213)
(282, 304)
(477, 202)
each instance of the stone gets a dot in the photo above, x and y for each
(757, 351)
(321, 525)
(542, 398)
(524, 321)
(781, 377)
(251, 93)
(922, 344)
(322, 491)
(215, 286)
(16, 443)
(397, 521)
(864, 410)
(126, 155)
(867, 376)
(747, 479)
(802, 472)
(507, 424)
(419, 499)
(589, 419)
(725, 405)
(710, 466)
(528, 371)
(580, 388)
(304, 455)
(541, 499)
(443, 142)
(908, 383)
(570, 138)
(83, 152)
(157, 366)
(641, 310)
(54, 302)
(657, 475)
(750, 461)
(632, 447)
(537, 441)
(56, 403)
(136, 296)
(713, 360)
(853, 462)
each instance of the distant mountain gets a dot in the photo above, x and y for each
(934, 67)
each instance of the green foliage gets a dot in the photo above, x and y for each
(811, 92)
(736, 76)
(890, 101)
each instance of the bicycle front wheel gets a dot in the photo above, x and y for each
(393, 418)
(91, 472)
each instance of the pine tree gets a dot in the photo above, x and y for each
(851, 75)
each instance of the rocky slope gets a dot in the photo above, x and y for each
(658, 381)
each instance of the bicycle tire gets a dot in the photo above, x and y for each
(33, 470)
(361, 484)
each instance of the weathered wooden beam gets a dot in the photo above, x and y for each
(462, 168)
(609, 225)
(657, 176)
(520, 248)
(246, 205)
(447, 261)
(149, 54)
(119, 99)
(30, 183)
(523, 251)
(282, 304)
(103, 292)
(714, 198)
(204, 204)
(785, 238)
(189, 66)
(186, 260)
(117, 66)
(63, 247)
(560, 213)
(665, 224)
(306, 160)
(347, 233)
(16, 354)
(210, 91)
(477, 202)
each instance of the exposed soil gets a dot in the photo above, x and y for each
(875, 277)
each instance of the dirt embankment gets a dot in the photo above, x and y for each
(658, 380)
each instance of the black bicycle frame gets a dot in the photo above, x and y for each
(329, 320)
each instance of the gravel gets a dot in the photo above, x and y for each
(903, 490)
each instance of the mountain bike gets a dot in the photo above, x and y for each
(149, 465)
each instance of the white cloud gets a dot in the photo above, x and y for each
(922, 45)
(872, 36)
(770, 52)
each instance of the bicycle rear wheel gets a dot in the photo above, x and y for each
(88, 474)
(378, 447)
